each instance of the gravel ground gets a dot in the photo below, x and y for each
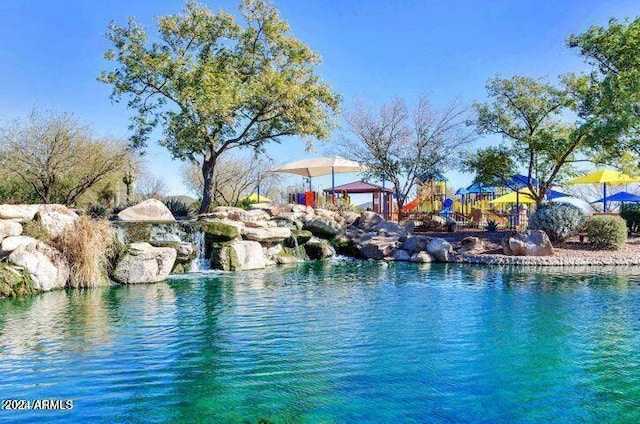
(571, 252)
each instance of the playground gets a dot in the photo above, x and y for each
(439, 207)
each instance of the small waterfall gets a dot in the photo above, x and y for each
(200, 262)
(296, 250)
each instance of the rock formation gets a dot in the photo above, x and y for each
(527, 243)
(144, 263)
(148, 211)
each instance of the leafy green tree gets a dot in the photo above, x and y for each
(614, 53)
(614, 88)
(214, 85)
(530, 116)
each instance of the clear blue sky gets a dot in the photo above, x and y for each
(52, 51)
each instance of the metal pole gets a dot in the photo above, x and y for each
(258, 189)
(605, 197)
(517, 217)
(384, 200)
(333, 185)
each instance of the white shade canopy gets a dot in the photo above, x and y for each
(324, 165)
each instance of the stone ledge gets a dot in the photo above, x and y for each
(546, 260)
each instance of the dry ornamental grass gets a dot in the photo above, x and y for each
(88, 246)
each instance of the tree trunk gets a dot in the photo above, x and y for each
(208, 190)
(128, 200)
(400, 203)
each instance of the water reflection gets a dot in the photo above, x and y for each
(551, 278)
(339, 341)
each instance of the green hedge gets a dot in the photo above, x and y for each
(630, 212)
(607, 232)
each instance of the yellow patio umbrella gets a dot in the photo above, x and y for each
(256, 198)
(604, 177)
(522, 196)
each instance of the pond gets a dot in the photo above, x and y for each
(340, 341)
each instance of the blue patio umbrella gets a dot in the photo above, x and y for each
(623, 196)
(520, 181)
(479, 188)
(554, 194)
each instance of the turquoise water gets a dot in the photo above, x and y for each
(341, 342)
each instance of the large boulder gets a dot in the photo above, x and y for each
(319, 250)
(149, 210)
(415, 244)
(328, 214)
(324, 227)
(298, 238)
(346, 246)
(219, 231)
(350, 217)
(377, 247)
(258, 224)
(238, 224)
(422, 258)
(527, 243)
(369, 220)
(272, 210)
(144, 263)
(20, 213)
(237, 214)
(240, 255)
(272, 250)
(471, 245)
(55, 218)
(390, 229)
(220, 212)
(285, 259)
(290, 223)
(266, 235)
(9, 228)
(185, 254)
(46, 266)
(441, 249)
(254, 215)
(300, 209)
(400, 255)
(9, 244)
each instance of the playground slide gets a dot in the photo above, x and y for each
(448, 204)
(411, 205)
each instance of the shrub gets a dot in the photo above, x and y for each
(178, 207)
(119, 208)
(98, 211)
(607, 232)
(88, 246)
(630, 212)
(559, 221)
(491, 226)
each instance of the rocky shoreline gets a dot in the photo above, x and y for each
(549, 261)
(154, 245)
